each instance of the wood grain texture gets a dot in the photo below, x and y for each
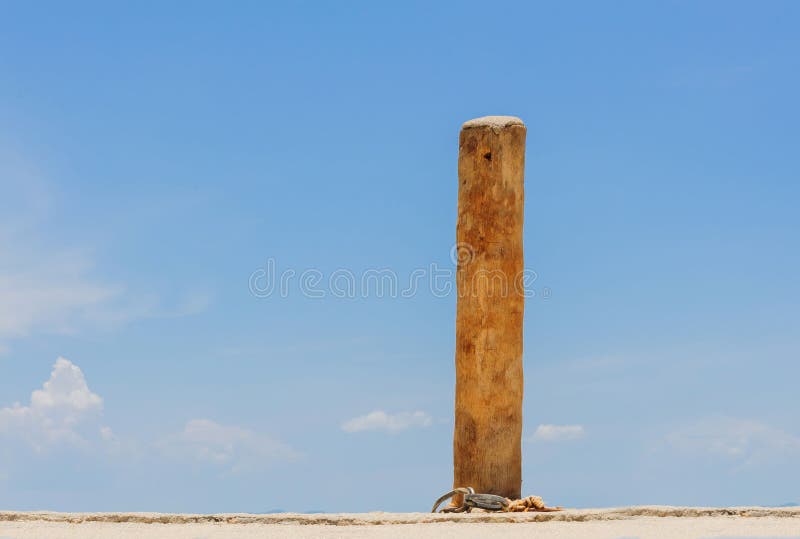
(489, 385)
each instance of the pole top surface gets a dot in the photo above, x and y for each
(493, 122)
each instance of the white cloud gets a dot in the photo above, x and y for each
(65, 412)
(380, 420)
(558, 433)
(231, 447)
(57, 414)
(737, 439)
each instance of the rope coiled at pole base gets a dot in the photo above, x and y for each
(530, 503)
(491, 502)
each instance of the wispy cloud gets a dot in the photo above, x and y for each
(44, 287)
(558, 433)
(232, 448)
(52, 288)
(742, 440)
(381, 421)
(54, 292)
(58, 413)
(51, 296)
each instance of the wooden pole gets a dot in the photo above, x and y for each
(487, 452)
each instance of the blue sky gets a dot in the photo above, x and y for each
(154, 157)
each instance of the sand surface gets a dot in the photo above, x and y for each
(642, 522)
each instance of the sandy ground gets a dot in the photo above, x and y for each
(642, 522)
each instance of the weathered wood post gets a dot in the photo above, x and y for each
(488, 410)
